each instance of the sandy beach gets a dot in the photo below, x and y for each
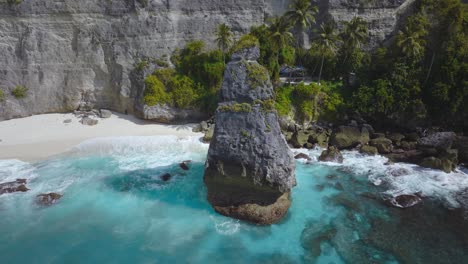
(37, 137)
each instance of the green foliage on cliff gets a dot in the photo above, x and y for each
(309, 102)
(236, 108)
(205, 69)
(2, 95)
(19, 92)
(184, 91)
(258, 75)
(246, 41)
(14, 2)
(155, 92)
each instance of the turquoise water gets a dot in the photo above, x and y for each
(116, 209)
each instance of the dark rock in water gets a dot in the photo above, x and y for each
(440, 140)
(249, 171)
(303, 156)
(348, 137)
(16, 186)
(332, 154)
(48, 198)
(184, 165)
(166, 177)
(405, 200)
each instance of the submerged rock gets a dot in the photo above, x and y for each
(250, 170)
(48, 199)
(184, 165)
(16, 186)
(166, 177)
(405, 200)
(332, 154)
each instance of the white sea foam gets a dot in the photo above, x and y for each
(145, 152)
(401, 178)
(226, 226)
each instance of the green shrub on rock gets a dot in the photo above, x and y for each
(245, 42)
(236, 108)
(184, 91)
(2, 95)
(155, 92)
(19, 92)
(257, 74)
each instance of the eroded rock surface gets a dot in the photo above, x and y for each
(250, 170)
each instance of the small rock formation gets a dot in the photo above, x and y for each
(103, 113)
(383, 144)
(48, 199)
(347, 137)
(184, 165)
(89, 121)
(369, 150)
(303, 156)
(250, 170)
(16, 186)
(332, 154)
(67, 121)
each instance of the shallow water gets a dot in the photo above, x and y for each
(117, 209)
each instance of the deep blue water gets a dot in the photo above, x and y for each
(117, 209)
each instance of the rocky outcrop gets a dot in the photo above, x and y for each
(250, 170)
(16, 186)
(347, 137)
(332, 154)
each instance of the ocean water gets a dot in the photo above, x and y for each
(117, 209)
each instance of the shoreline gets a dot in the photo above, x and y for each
(38, 137)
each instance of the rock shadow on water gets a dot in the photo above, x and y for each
(170, 184)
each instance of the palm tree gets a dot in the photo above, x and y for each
(279, 34)
(411, 43)
(354, 35)
(302, 15)
(223, 38)
(326, 41)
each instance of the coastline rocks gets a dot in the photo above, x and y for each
(303, 156)
(16, 186)
(250, 170)
(348, 137)
(369, 150)
(48, 199)
(444, 164)
(332, 154)
(383, 145)
(461, 144)
(439, 140)
(208, 135)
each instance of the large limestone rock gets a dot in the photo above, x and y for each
(250, 170)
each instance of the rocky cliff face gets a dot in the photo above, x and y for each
(250, 169)
(83, 52)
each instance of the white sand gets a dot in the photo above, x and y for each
(38, 137)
